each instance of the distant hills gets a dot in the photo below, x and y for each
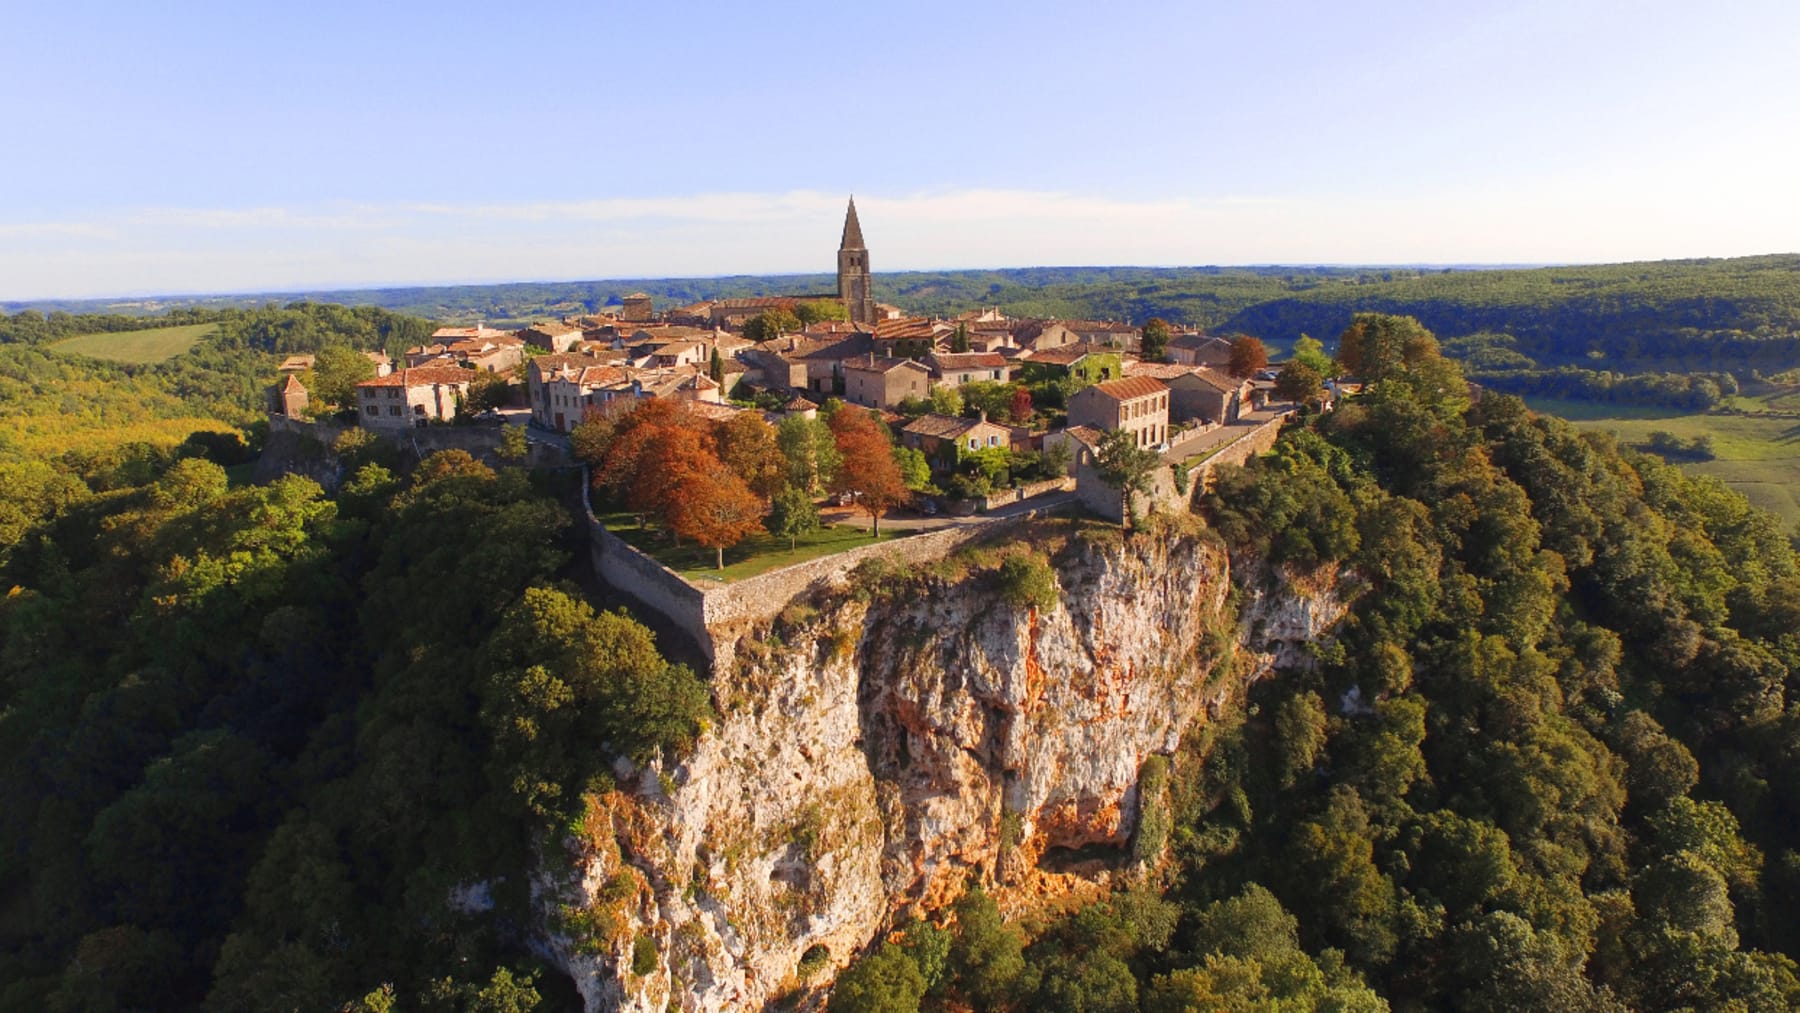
(1713, 313)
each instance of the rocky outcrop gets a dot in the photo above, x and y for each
(879, 747)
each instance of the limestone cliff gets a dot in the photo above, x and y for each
(885, 742)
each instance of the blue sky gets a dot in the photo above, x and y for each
(208, 146)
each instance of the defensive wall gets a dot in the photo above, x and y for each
(481, 442)
(704, 612)
(1104, 501)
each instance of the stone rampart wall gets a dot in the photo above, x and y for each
(1005, 497)
(706, 614)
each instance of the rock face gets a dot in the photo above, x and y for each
(878, 749)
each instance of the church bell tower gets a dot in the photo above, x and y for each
(854, 287)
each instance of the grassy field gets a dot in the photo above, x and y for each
(1758, 454)
(136, 347)
(745, 559)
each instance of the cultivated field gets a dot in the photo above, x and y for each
(137, 347)
(1758, 454)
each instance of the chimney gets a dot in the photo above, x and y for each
(981, 413)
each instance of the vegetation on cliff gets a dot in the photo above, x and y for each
(264, 749)
(1541, 766)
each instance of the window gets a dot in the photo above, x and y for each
(974, 444)
(993, 441)
(394, 410)
(372, 410)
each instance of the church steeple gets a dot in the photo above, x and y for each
(855, 287)
(853, 239)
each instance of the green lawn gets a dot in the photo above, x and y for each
(138, 347)
(1758, 456)
(745, 559)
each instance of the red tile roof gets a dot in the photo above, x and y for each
(1131, 388)
(421, 376)
(944, 427)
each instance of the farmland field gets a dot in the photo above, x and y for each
(136, 347)
(1757, 454)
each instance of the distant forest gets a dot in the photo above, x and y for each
(1689, 313)
(1667, 333)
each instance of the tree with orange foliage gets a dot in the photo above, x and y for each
(1247, 356)
(640, 456)
(868, 473)
(716, 509)
(747, 446)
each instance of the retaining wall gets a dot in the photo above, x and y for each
(703, 612)
(1105, 501)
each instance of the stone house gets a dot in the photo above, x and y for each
(1199, 350)
(944, 439)
(875, 381)
(1197, 393)
(1087, 364)
(413, 397)
(288, 397)
(636, 307)
(1138, 404)
(953, 370)
(552, 335)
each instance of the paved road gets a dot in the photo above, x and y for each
(1223, 435)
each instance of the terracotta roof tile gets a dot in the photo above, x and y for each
(421, 376)
(1130, 388)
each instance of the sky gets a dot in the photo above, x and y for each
(240, 146)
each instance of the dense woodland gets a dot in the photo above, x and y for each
(252, 739)
(1544, 765)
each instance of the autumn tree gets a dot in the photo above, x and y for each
(869, 473)
(1247, 356)
(1020, 408)
(747, 447)
(1377, 346)
(1154, 345)
(715, 508)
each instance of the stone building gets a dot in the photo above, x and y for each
(1137, 403)
(876, 381)
(854, 285)
(636, 308)
(413, 397)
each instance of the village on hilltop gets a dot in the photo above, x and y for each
(949, 388)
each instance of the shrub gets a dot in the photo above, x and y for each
(644, 953)
(1027, 579)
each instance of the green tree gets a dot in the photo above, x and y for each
(987, 956)
(886, 981)
(1122, 464)
(959, 339)
(814, 311)
(792, 513)
(810, 451)
(1310, 352)
(336, 371)
(1298, 383)
(771, 324)
(1155, 340)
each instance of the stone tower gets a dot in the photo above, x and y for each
(854, 287)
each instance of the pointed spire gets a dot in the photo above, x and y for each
(853, 239)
